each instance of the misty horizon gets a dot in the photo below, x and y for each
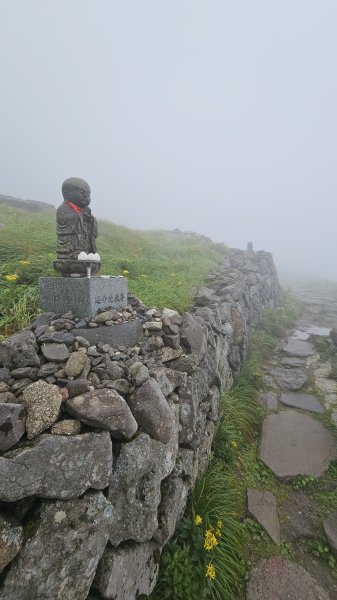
(214, 118)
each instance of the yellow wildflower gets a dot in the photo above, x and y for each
(12, 277)
(198, 520)
(234, 444)
(218, 533)
(219, 524)
(210, 540)
(24, 262)
(125, 272)
(210, 571)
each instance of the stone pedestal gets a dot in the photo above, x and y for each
(82, 296)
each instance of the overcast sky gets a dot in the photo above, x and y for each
(215, 116)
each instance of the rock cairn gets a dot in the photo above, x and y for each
(101, 445)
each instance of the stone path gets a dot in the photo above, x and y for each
(296, 442)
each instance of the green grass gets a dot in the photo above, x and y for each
(277, 321)
(162, 267)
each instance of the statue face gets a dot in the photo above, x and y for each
(77, 191)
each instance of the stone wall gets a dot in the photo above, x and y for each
(101, 445)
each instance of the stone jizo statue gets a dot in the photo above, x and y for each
(76, 229)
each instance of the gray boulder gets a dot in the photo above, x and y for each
(168, 379)
(7, 397)
(138, 373)
(151, 410)
(5, 375)
(11, 541)
(106, 409)
(12, 424)
(77, 387)
(126, 572)
(60, 559)
(193, 336)
(43, 402)
(55, 352)
(19, 350)
(204, 296)
(57, 337)
(25, 372)
(172, 507)
(134, 490)
(114, 371)
(185, 364)
(289, 379)
(169, 354)
(66, 427)
(75, 364)
(55, 466)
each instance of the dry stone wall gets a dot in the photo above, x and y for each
(100, 445)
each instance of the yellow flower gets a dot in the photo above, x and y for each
(198, 520)
(125, 272)
(210, 571)
(218, 533)
(234, 444)
(12, 277)
(24, 262)
(219, 524)
(210, 540)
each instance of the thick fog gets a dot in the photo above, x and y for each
(214, 116)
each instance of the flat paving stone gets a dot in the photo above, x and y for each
(279, 579)
(303, 401)
(289, 379)
(263, 507)
(296, 444)
(295, 347)
(299, 509)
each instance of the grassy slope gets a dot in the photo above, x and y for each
(162, 266)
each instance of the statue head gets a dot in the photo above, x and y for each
(77, 191)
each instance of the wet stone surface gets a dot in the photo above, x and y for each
(296, 444)
(295, 347)
(298, 509)
(289, 379)
(262, 506)
(303, 401)
(280, 579)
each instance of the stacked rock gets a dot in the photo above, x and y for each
(136, 422)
